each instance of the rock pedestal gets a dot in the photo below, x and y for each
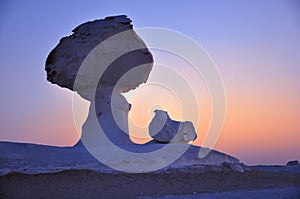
(92, 62)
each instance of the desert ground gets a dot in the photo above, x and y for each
(169, 184)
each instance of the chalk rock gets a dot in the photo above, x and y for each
(64, 61)
(92, 62)
(164, 130)
(35, 159)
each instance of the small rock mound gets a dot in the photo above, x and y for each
(165, 130)
(292, 163)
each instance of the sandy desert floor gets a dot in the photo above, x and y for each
(171, 184)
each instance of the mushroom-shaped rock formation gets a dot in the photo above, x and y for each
(165, 130)
(92, 61)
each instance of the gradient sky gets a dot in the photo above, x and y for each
(255, 44)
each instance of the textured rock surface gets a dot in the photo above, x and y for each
(64, 60)
(164, 130)
(109, 47)
(34, 159)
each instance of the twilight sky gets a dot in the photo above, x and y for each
(255, 44)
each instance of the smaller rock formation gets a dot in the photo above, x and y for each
(291, 163)
(165, 130)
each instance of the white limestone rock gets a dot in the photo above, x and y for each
(92, 61)
(64, 61)
(36, 159)
(64, 67)
(165, 130)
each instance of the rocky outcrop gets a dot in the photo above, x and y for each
(35, 159)
(92, 62)
(165, 130)
(292, 163)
